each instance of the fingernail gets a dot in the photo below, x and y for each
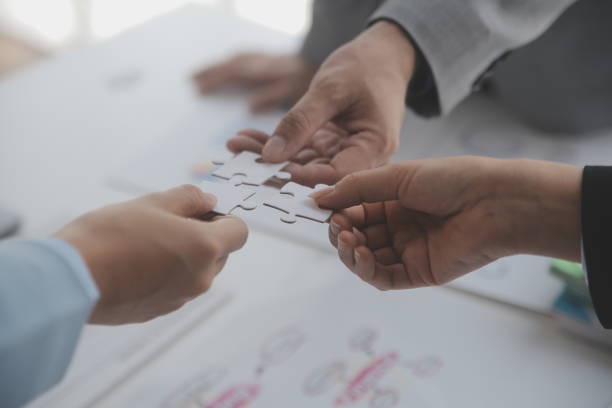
(276, 145)
(321, 193)
(357, 256)
(334, 227)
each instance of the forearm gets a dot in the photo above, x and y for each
(46, 295)
(462, 41)
(386, 43)
(541, 201)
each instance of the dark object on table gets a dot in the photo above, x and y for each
(9, 223)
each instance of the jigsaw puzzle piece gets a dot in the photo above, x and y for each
(293, 199)
(229, 196)
(244, 168)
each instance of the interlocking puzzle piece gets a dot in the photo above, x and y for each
(244, 168)
(294, 201)
(229, 196)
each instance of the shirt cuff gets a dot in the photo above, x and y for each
(76, 264)
(422, 94)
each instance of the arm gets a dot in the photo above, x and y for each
(278, 81)
(427, 222)
(147, 257)
(461, 40)
(46, 296)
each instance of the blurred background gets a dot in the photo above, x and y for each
(34, 29)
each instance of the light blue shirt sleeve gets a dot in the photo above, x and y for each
(46, 297)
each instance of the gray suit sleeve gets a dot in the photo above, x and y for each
(334, 23)
(461, 40)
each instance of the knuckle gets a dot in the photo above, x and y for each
(244, 233)
(349, 180)
(173, 307)
(239, 231)
(192, 192)
(243, 229)
(296, 121)
(202, 286)
(332, 89)
(436, 280)
(151, 198)
(209, 248)
(391, 145)
(351, 184)
(193, 196)
(381, 286)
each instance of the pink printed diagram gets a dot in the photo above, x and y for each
(375, 381)
(364, 377)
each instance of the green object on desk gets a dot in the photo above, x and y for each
(568, 269)
(574, 278)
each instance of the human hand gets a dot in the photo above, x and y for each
(151, 255)
(350, 118)
(277, 81)
(427, 222)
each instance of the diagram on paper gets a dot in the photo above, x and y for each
(363, 375)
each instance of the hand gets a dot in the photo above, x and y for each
(427, 222)
(350, 118)
(278, 81)
(151, 255)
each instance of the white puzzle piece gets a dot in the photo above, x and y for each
(229, 196)
(244, 168)
(293, 200)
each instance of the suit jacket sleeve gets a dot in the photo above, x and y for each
(596, 214)
(462, 40)
(46, 295)
(334, 23)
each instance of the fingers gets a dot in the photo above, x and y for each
(272, 96)
(214, 77)
(311, 174)
(241, 143)
(362, 262)
(248, 139)
(227, 234)
(242, 69)
(328, 140)
(186, 200)
(375, 236)
(305, 155)
(367, 186)
(347, 220)
(346, 248)
(297, 127)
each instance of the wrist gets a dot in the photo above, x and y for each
(541, 202)
(398, 51)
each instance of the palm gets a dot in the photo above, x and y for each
(314, 163)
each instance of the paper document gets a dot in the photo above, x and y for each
(107, 355)
(353, 346)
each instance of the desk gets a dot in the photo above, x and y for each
(70, 122)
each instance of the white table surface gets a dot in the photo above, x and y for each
(67, 124)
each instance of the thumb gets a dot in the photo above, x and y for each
(311, 112)
(367, 186)
(187, 200)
